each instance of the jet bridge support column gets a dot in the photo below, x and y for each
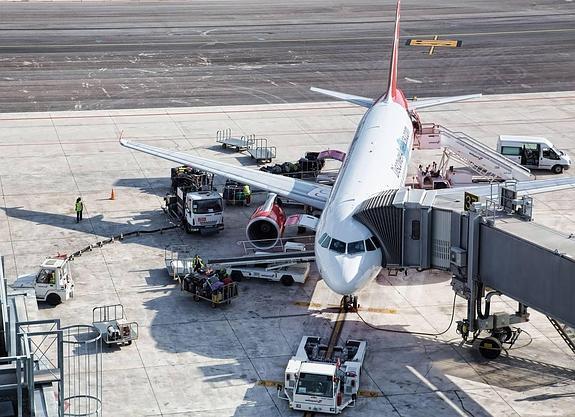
(472, 262)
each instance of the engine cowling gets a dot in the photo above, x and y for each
(266, 224)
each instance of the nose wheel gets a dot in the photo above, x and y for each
(350, 303)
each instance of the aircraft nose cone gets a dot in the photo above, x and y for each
(346, 275)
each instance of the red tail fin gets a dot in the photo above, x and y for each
(393, 93)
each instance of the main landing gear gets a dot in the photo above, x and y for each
(349, 303)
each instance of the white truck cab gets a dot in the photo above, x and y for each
(53, 283)
(317, 383)
(533, 152)
(204, 211)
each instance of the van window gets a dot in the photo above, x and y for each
(510, 150)
(550, 154)
(532, 146)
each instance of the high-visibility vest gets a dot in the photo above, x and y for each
(247, 190)
(79, 206)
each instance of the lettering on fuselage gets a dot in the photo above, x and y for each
(402, 152)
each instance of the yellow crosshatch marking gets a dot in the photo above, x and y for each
(434, 42)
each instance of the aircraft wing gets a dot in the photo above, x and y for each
(430, 102)
(305, 192)
(523, 187)
(360, 101)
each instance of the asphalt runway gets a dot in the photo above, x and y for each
(84, 56)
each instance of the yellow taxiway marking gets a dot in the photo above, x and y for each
(269, 383)
(313, 305)
(379, 310)
(309, 304)
(433, 43)
(369, 394)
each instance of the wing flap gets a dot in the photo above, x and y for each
(305, 192)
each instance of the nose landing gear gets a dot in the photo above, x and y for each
(350, 303)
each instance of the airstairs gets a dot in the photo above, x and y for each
(485, 161)
(567, 333)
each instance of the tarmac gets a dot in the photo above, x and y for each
(97, 55)
(192, 360)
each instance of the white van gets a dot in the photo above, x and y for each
(533, 152)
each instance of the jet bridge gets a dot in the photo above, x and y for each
(491, 247)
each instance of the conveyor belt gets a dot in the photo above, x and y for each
(306, 256)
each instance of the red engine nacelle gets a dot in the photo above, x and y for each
(266, 224)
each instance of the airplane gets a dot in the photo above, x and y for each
(348, 254)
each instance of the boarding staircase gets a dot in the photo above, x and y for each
(567, 333)
(485, 161)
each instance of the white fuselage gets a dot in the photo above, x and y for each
(376, 161)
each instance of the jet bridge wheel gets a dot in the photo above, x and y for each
(490, 348)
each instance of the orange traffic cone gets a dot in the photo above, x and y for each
(113, 195)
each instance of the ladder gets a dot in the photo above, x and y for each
(482, 159)
(449, 154)
(566, 333)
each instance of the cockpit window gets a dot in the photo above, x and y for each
(369, 245)
(375, 242)
(356, 247)
(337, 246)
(324, 241)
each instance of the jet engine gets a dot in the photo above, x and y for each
(266, 224)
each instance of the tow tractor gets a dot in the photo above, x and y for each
(321, 381)
(53, 283)
(113, 326)
(193, 201)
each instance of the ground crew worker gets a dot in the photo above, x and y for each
(197, 263)
(247, 194)
(79, 207)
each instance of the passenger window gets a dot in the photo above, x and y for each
(337, 246)
(510, 150)
(324, 241)
(369, 245)
(356, 247)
